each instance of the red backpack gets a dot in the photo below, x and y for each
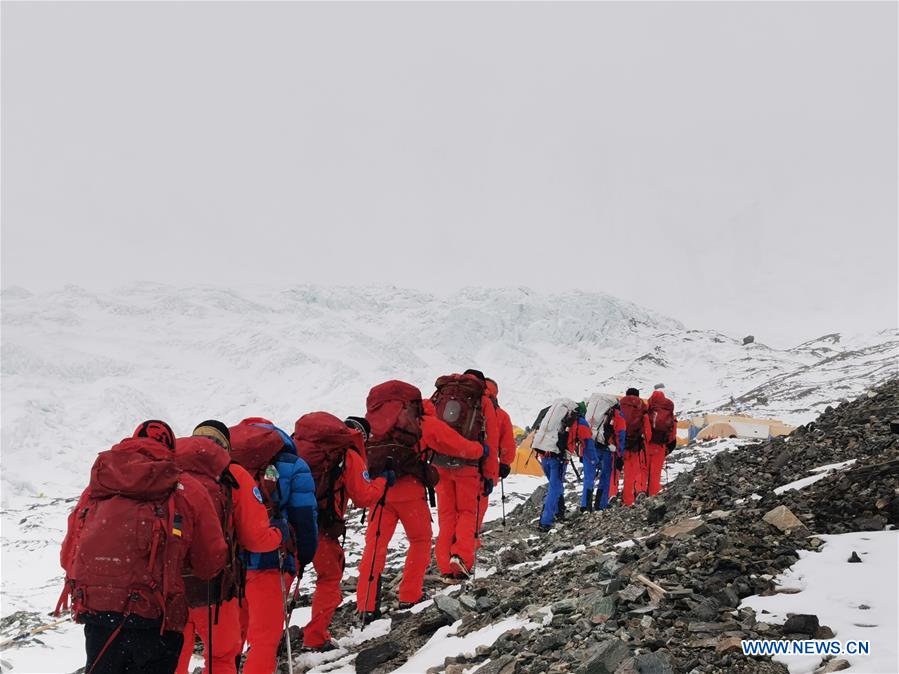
(458, 402)
(661, 418)
(206, 461)
(131, 490)
(322, 441)
(394, 411)
(254, 445)
(632, 410)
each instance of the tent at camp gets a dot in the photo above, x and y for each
(518, 433)
(526, 462)
(719, 429)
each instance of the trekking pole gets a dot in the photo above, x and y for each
(502, 499)
(574, 468)
(371, 571)
(209, 626)
(286, 611)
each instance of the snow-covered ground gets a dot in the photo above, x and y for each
(858, 601)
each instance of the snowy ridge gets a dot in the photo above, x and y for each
(81, 368)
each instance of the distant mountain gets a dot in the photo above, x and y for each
(80, 369)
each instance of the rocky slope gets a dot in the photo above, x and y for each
(658, 587)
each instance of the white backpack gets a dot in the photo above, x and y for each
(597, 406)
(547, 437)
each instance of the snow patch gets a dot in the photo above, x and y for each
(445, 643)
(819, 474)
(857, 601)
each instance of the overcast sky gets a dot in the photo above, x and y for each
(732, 165)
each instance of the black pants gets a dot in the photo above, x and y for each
(133, 651)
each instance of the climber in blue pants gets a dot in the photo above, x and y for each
(591, 459)
(554, 468)
(607, 461)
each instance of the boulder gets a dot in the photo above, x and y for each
(801, 623)
(692, 526)
(659, 662)
(598, 608)
(504, 664)
(370, 658)
(655, 512)
(449, 605)
(729, 645)
(782, 518)
(605, 657)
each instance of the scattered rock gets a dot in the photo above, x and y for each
(632, 593)
(659, 662)
(689, 527)
(504, 664)
(428, 624)
(782, 518)
(875, 523)
(563, 606)
(468, 601)
(599, 608)
(729, 645)
(449, 605)
(837, 665)
(605, 657)
(370, 658)
(801, 623)
(854, 558)
(655, 512)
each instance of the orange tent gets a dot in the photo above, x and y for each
(526, 462)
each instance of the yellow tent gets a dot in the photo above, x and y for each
(518, 433)
(526, 462)
(719, 429)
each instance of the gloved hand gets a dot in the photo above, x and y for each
(286, 535)
(284, 528)
(671, 447)
(486, 451)
(390, 476)
(504, 470)
(488, 486)
(619, 462)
